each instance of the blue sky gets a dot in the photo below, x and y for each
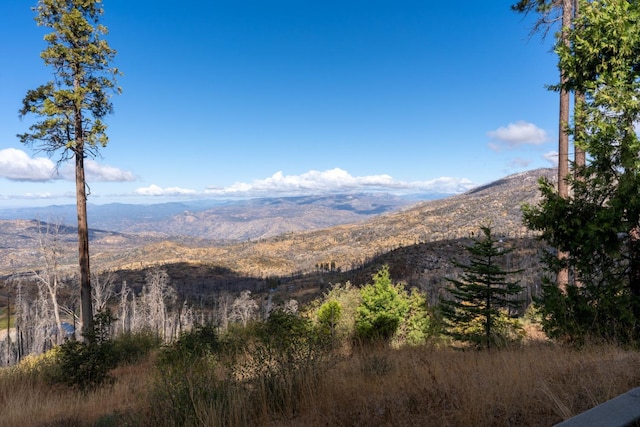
(262, 98)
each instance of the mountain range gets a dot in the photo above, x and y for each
(228, 220)
(274, 237)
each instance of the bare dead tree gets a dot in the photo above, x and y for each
(225, 301)
(50, 277)
(124, 308)
(243, 308)
(102, 289)
(153, 301)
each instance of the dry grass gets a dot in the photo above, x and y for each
(537, 385)
(27, 401)
(540, 384)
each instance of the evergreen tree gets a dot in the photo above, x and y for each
(599, 226)
(480, 293)
(329, 315)
(551, 12)
(71, 107)
(384, 306)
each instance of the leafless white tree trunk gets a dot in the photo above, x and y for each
(124, 308)
(156, 295)
(102, 289)
(50, 277)
(225, 301)
(244, 308)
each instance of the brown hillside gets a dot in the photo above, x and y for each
(400, 235)
(498, 204)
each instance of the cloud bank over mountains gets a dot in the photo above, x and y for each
(18, 166)
(319, 182)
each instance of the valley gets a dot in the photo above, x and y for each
(418, 241)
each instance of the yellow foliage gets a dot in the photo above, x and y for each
(39, 363)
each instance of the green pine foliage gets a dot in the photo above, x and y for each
(389, 313)
(329, 315)
(382, 309)
(83, 79)
(417, 327)
(482, 296)
(598, 226)
(87, 365)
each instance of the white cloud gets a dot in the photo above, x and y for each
(16, 165)
(29, 196)
(154, 190)
(95, 172)
(104, 173)
(552, 158)
(516, 134)
(337, 180)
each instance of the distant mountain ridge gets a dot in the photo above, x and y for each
(237, 220)
(497, 204)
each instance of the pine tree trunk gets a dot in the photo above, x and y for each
(83, 245)
(563, 135)
(580, 157)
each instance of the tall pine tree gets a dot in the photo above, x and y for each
(599, 225)
(70, 108)
(562, 12)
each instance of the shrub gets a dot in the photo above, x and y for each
(347, 298)
(287, 361)
(416, 328)
(260, 370)
(329, 315)
(382, 308)
(44, 366)
(132, 347)
(86, 365)
(188, 389)
(201, 342)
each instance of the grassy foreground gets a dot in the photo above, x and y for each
(538, 384)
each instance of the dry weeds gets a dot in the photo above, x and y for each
(30, 402)
(537, 385)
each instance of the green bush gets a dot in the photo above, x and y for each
(87, 365)
(416, 327)
(201, 342)
(132, 347)
(347, 298)
(329, 315)
(287, 359)
(253, 371)
(382, 309)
